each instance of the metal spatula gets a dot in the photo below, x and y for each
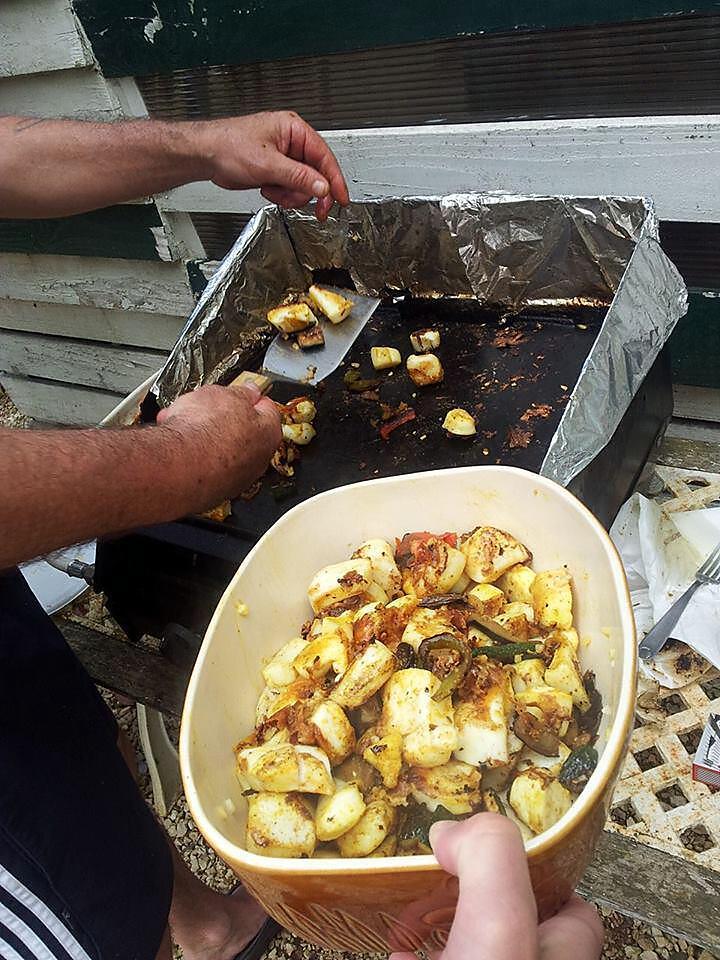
(284, 363)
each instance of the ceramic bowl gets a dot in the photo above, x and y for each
(369, 905)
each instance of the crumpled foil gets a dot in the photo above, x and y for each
(503, 250)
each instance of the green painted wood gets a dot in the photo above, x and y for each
(139, 37)
(121, 232)
(695, 342)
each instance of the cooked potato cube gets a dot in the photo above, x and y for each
(333, 731)
(279, 671)
(333, 305)
(384, 570)
(364, 677)
(369, 832)
(517, 619)
(273, 701)
(338, 813)
(482, 727)
(554, 705)
(327, 650)
(270, 766)
(426, 726)
(454, 785)
(425, 341)
(462, 584)
(384, 753)
(435, 567)
(383, 358)
(300, 433)
(517, 583)
(280, 825)
(563, 674)
(388, 848)
(552, 599)
(292, 317)
(490, 553)
(299, 410)
(425, 369)
(375, 593)
(568, 637)
(538, 799)
(425, 623)
(526, 674)
(433, 745)
(529, 758)
(459, 423)
(314, 770)
(486, 599)
(338, 582)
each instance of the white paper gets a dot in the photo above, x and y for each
(661, 553)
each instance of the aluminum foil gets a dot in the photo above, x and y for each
(507, 251)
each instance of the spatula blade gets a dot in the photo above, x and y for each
(284, 362)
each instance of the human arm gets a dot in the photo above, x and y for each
(64, 486)
(496, 915)
(54, 168)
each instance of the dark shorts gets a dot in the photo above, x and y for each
(85, 871)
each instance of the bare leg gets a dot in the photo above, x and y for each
(207, 925)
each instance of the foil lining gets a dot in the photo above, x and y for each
(503, 250)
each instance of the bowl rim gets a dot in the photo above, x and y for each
(596, 787)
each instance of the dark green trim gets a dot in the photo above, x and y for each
(695, 343)
(121, 232)
(192, 33)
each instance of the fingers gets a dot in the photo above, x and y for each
(296, 177)
(306, 143)
(288, 199)
(496, 917)
(575, 933)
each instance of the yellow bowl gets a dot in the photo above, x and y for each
(401, 902)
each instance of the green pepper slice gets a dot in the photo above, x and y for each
(506, 652)
(446, 641)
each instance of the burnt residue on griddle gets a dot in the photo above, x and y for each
(513, 374)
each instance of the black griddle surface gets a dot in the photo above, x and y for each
(496, 383)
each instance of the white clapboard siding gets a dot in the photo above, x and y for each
(673, 160)
(80, 94)
(696, 403)
(48, 401)
(40, 35)
(141, 285)
(153, 330)
(107, 366)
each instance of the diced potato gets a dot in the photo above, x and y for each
(564, 674)
(424, 369)
(538, 799)
(301, 410)
(326, 651)
(517, 619)
(462, 584)
(555, 705)
(567, 637)
(459, 423)
(279, 671)
(333, 305)
(482, 727)
(388, 848)
(269, 767)
(384, 753)
(526, 674)
(333, 731)
(338, 582)
(426, 726)
(385, 357)
(369, 832)
(425, 623)
(300, 433)
(490, 553)
(425, 341)
(435, 568)
(529, 758)
(486, 599)
(552, 599)
(314, 769)
(433, 745)
(338, 813)
(292, 317)
(364, 677)
(280, 825)
(367, 610)
(384, 570)
(454, 785)
(517, 583)
(273, 701)
(375, 593)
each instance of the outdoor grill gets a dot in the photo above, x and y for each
(515, 367)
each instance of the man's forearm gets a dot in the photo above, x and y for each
(54, 168)
(66, 486)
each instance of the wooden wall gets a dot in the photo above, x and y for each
(90, 305)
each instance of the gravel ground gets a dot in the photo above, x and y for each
(626, 939)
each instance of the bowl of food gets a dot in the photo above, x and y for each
(400, 651)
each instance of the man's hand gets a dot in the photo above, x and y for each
(228, 435)
(496, 916)
(277, 152)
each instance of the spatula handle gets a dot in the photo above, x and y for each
(262, 382)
